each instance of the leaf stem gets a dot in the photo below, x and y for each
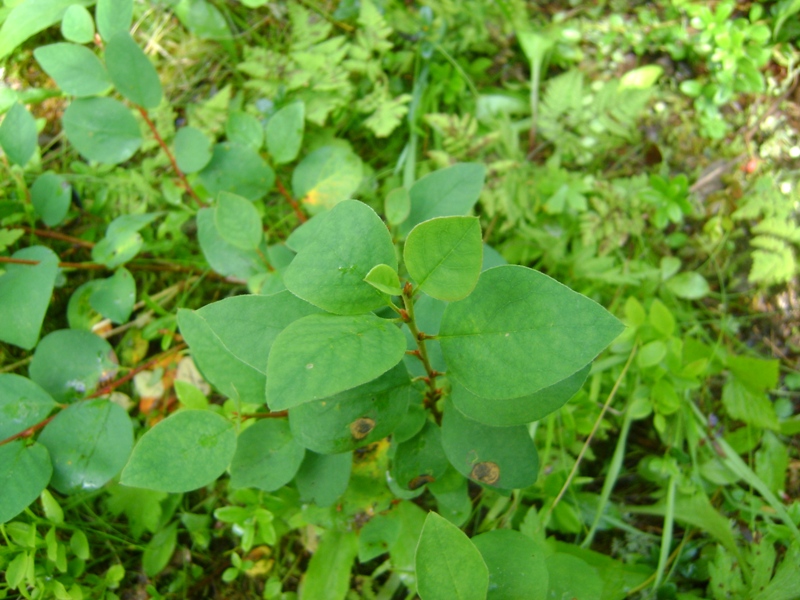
(433, 393)
(295, 206)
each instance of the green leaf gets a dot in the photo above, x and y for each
(267, 456)
(689, 286)
(238, 221)
(444, 193)
(756, 373)
(75, 69)
(222, 256)
(114, 297)
(377, 537)
(786, 582)
(245, 129)
(516, 564)
(18, 135)
(186, 451)
(231, 339)
(641, 78)
(448, 564)
(571, 577)
(518, 411)
(323, 478)
(354, 418)
(285, 133)
(30, 17)
(77, 25)
(122, 241)
(452, 497)
(25, 293)
(24, 473)
(748, 405)
(70, 363)
(328, 573)
(159, 550)
(102, 129)
(502, 457)
(142, 508)
(51, 196)
(133, 74)
(89, 443)
(192, 149)
(385, 279)
(397, 206)
(113, 16)
(419, 460)
(321, 355)
(237, 169)
(203, 19)
(329, 270)
(444, 256)
(326, 177)
(520, 332)
(23, 404)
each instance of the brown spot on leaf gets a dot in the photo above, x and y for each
(419, 481)
(360, 428)
(486, 472)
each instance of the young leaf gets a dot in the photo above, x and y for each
(237, 169)
(518, 411)
(328, 573)
(420, 460)
(321, 355)
(192, 149)
(133, 74)
(77, 25)
(89, 443)
(397, 206)
(285, 133)
(30, 17)
(122, 241)
(329, 270)
(25, 292)
(22, 404)
(102, 129)
(184, 452)
(267, 456)
(75, 69)
(521, 331)
(354, 418)
(238, 221)
(113, 16)
(444, 256)
(385, 279)
(448, 565)
(443, 193)
(689, 285)
(323, 478)
(516, 564)
(327, 176)
(24, 473)
(159, 550)
(502, 457)
(18, 135)
(51, 196)
(114, 297)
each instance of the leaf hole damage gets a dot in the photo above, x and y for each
(486, 472)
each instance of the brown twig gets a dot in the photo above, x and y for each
(28, 432)
(187, 186)
(55, 235)
(63, 265)
(107, 389)
(285, 193)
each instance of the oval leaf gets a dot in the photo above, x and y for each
(102, 129)
(22, 404)
(267, 456)
(327, 176)
(30, 17)
(186, 451)
(192, 149)
(114, 297)
(75, 69)
(285, 133)
(238, 221)
(222, 256)
(24, 473)
(444, 256)
(448, 565)
(113, 16)
(77, 25)
(516, 564)
(385, 279)
(51, 196)
(521, 331)
(237, 169)
(397, 206)
(18, 135)
(420, 460)
(133, 74)
(323, 478)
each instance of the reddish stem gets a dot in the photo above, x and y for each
(64, 265)
(133, 372)
(28, 432)
(187, 186)
(55, 235)
(285, 193)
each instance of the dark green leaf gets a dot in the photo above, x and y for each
(448, 565)
(267, 456)
(75, 69)
(521, 331)
(186, 451)
(444, 256)
(419, 460)
(77, 25)
(502, 457)
(102, 129)
(516, 564)
(22, 404)
(564, 582)
(327, 176)
(285, 133)
(51, 196)
(323, 478)
(89, 443)
(24, 473)
(321, 355)
(329, 270)
(69, 363)
(237, 169)
(113, 16)
(25, 293)
(354, 418)
(18, 135)
(192, 149)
